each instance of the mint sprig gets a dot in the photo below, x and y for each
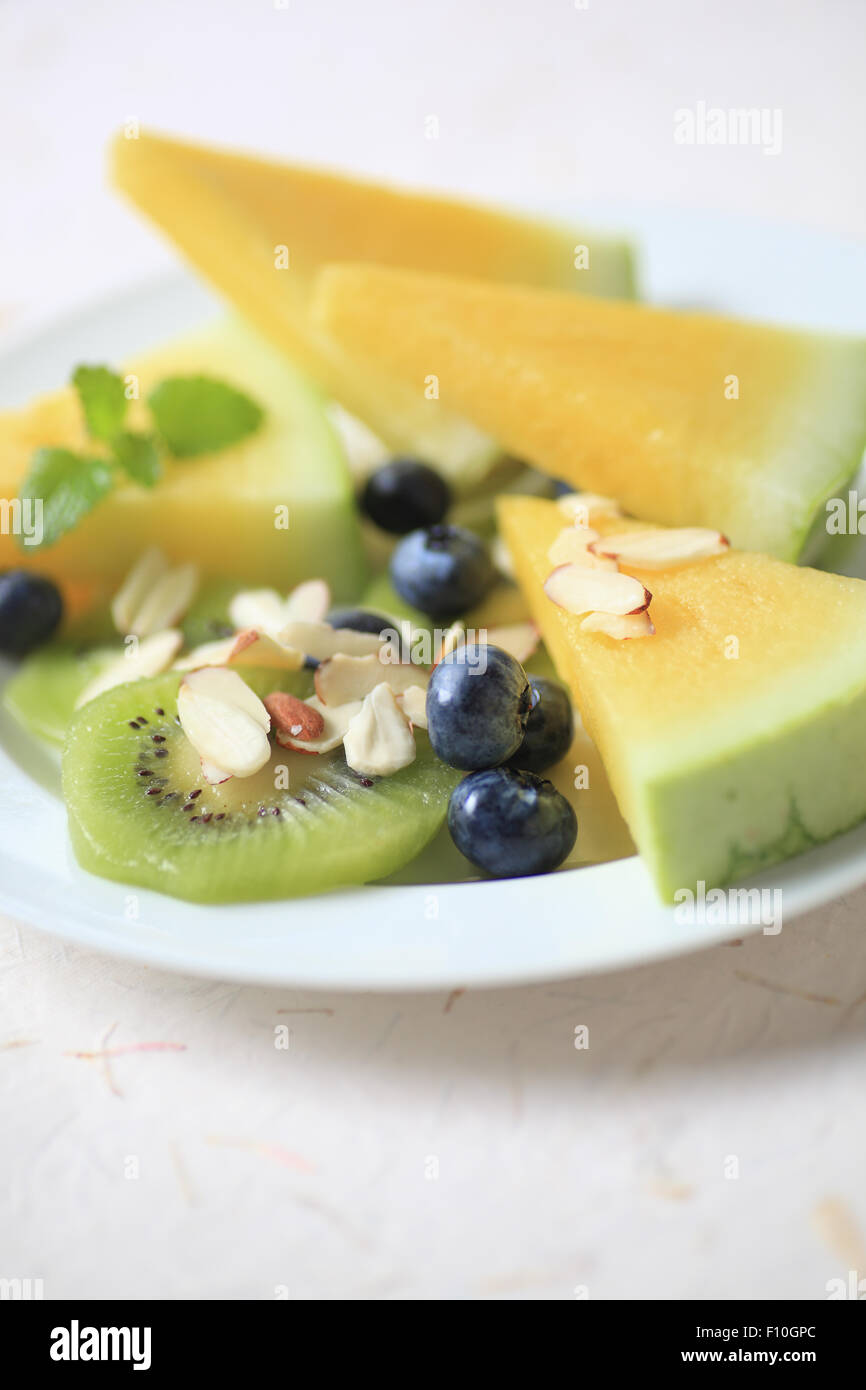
(67, 486)
(193, 415)
(199, 415)
(103, 400)
(138, 456)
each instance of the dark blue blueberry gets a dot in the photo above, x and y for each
(561, 489)
(549, 728)
(477, 707)
(30, 611)
(405, 494)
(443, 570)
(510, 823)
(358, 619)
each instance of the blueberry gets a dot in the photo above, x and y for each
(359, 620)
(510, 823)
(443, 570)
(549, 728)
(405, 494)
(477, 707)
(30, 611)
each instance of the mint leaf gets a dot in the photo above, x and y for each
(138, 456)
(68, 486)
(103, 400)
(198, 414)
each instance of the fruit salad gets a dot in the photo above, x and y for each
(290, 623)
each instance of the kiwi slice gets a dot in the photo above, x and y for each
(41, 695)
(140, 811)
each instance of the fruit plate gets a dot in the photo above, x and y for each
(442, 935)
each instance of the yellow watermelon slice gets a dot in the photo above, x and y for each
(735, 736)
(259, 230)
(687, 419)
(218, 510)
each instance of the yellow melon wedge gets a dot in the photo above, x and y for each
(687, 419)
(272, 510)
(734, 737)
(259, 230)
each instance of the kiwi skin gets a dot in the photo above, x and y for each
(140, 812)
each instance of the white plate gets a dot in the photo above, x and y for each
(413, 937)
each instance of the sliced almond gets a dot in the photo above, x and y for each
(208, 654)
(145, 573)
(263, 609)
(213, 774)
(149, 657)
(501, 557)
(580, 590)
(379, 741)
(448, 642)
(364, 450)
(414, 705)
(343, 678)
(335, 721)
(251, 648)
(518, 639)
(166, 602)
(571, 547)
(661, 549)
(223, 734)
(321, 641)
(219, 684)
(292, 718)
(308, 603)
(620, 626)
(584, 507)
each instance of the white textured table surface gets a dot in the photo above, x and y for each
(710, 1139)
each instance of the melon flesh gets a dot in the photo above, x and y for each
(736, 736)
(229, 214)
(217, 510)
(634, 402)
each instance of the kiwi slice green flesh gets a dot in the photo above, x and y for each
(42, 693)
(140, 811)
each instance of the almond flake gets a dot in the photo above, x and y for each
(621, 627)
(518, 639)
(213, 774)
(344, 678)
(414, 705)
(321, 641)
(262, 609)
(208, 654)
(269, 612)
(227, 686)
(580, 590)
(149, 657)
(145, 573)
(501, 557)
(166, 602)
(571, 548)
(450, 640)
(251, 648)
(364, 450)
(293, 718)
(379, 741)
(584, 507)
(660, 549)
(224, 721)
(335, 721)
(308, 603)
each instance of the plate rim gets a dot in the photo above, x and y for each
(617, 888)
